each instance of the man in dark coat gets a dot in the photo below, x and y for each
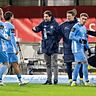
(63, 31)
(49, 44)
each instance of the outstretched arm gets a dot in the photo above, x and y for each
(37, 28)
(93, 33)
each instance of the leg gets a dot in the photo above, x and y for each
(69, 70)
(3, 69)
(81, 75)
(17, 70)
(85, 70)
(48, 70)
(55, 66)
(80, 72)
(14, 61)
(75, 73)
(5, 64)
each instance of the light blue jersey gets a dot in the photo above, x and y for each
(3, 48)
(11, 44)
(3, 37)
(78, 32)
(3, 40)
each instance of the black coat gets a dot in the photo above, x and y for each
(92, 33)
(49, 44)
(63, 31)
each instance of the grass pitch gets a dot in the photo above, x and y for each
(46, 90)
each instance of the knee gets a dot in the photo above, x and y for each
(55, 65)
(7, 64)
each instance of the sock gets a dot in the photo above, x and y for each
(0, 79)
(19, 77)
(2, 70)
(81, 78)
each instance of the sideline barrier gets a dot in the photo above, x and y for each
(62, 79)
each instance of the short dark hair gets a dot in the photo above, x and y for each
(8, 15)
(84, 14)
(73, 12)
(48, 12)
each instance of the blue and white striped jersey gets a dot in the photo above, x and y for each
(3, 37)
(11, 44)
(78, 32)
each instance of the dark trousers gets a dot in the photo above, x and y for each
(69, 70)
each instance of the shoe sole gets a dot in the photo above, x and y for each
(23, 84)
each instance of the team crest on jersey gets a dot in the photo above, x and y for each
(51, 27)
(45, 26)
(66, 28)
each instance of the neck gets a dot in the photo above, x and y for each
(81, 23)
(8, 21)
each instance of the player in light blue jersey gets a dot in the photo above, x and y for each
(79, 40)
(12, 49)
(3, 54)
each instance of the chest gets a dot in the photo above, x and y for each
(81, 32)
(66, 28)
(49, 27)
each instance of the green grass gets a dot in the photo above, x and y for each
(46, 90)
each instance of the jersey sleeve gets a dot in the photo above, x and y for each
(73, 34)
(38, 28)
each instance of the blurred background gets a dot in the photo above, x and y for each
(47, 2)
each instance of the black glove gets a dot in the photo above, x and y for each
(83, 41)
(89, 52)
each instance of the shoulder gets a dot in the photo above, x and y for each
(1, 23)
(63, 23)
(54, 22)
(9, 25)
(75, 27)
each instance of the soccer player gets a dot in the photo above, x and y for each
(78, 35)
(3, 54)
(12, 49)
(49, 44)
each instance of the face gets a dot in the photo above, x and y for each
(47, 18)
(83, 19)
(70, 17)
(12, 18)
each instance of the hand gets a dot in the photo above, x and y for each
(83, 41)
(17, 53)
(34, 29)
(8, 38)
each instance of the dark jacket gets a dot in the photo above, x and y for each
(49, 44)
(63, 32)
(92, 33)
